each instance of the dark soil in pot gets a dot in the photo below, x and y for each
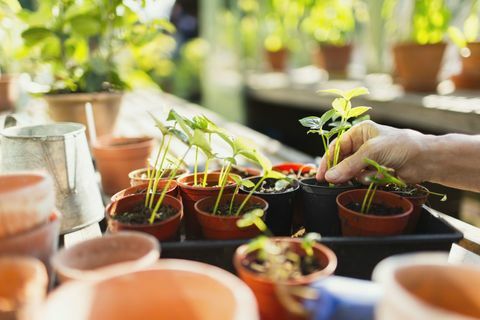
(320, 207)
(280, 199)
(139, 214)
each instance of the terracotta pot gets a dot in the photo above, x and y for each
(266, 290)
(116, 156)
(26, 200)
(8, 92)
(417, 201)
(103, 257)
(191, 194)
(164, 230)
(142, 188)
(225, 227)
(40, 242)
(139, 176)
(172, 289)
(333, 59)
(277, 60)
(425, 286)
(356, 224)
(417, 65)
(71, 108)
(24, 287)
(286, 167)
(469, 78)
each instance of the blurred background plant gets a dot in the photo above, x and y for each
(470, 30)
(10, 39)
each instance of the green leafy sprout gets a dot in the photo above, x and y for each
(339, 116)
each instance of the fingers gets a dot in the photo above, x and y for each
(349, 167)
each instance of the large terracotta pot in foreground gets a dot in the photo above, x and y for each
(172, 289)
(417, 66)
(469, 78)
(266, 290)
(117, 156)
(8, 92)
(424, 286)
(106, 256)
(71, 108)
(23, 287)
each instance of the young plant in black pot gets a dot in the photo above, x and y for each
(279, 191)
(372, 212)
(319, 207)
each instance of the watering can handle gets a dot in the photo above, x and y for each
(10, 121)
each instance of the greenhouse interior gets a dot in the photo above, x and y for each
(239, 159)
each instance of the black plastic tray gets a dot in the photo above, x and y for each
(357, 256)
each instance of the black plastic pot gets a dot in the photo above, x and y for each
(319, 206)
(280, 208)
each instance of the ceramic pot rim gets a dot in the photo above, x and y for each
(210, 215)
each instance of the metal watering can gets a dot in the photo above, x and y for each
(62, 150)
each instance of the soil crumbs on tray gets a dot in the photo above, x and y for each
(140, 215)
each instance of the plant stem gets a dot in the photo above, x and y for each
(327, 152)
(160, 171)
(233, 198)
(371, 199)
(250, 194)
(365, 198)
(164, 192)
(223, 183)
(205, 173)
(150, 180)
(195, 168)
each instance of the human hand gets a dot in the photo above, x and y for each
(399, 149)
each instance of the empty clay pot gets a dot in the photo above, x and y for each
(139, 176)
(424, 286)
(116, 157)
(172, 289)
(103, 257)
(163, 230)
(142, 188)
(333, 59)
(469, 78)
(357, 224)
(26, 200)
(225, 227)
(40, 242)
(277, 60)
(265, 289)
(23, 287)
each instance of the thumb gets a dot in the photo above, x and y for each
(348, 168)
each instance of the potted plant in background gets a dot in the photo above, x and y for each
(89, 48)
(368, 212)
(331, 23)
(269, 265)
(319, 198)
(468, 42)
(418, 55)
(10, 42)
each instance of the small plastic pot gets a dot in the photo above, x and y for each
(23, 287)
(163, 230)
(139, 176)
(115, 157)
(141, 189)
(281, 207)
(106, 256)
(266, 290)
(356, 224)
(320, 207)
(225, 227)
(191, 194)
(417, 201)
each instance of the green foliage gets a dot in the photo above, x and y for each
(429, 20)
(95, 45)
(341, 109)
(471, 29)
(10, 39)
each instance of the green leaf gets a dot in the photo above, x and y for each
(457, 37)
(336, 92)
(180, 135)
(311, 122)
(356, 92)
(85, 25)
(360, 119)
(165, 130)
(35, 35)
(274, 175)
(342, 106)
(357, 111)
(281, 184)
(173, 115)
(247, 183)
(327, 116)
(199, 139)
(257, 158)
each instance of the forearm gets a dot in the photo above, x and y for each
(453, 160)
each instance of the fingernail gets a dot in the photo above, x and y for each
(332, 174)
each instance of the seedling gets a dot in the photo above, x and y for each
(412, 190)
(276, 259)
(340, 117)
(383, 176)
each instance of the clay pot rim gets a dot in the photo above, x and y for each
(413, 45)
(178, 215)
(294, 164)
(76, 129)
(115, 268)
(211, 215)
(239, 290)
(371, 216)
(53, 218)
(45, 181)
(240, 255)
(99, 95)
(295, 182)
(103, 143)
(135, 174)
(186, 186)
(117, 196)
